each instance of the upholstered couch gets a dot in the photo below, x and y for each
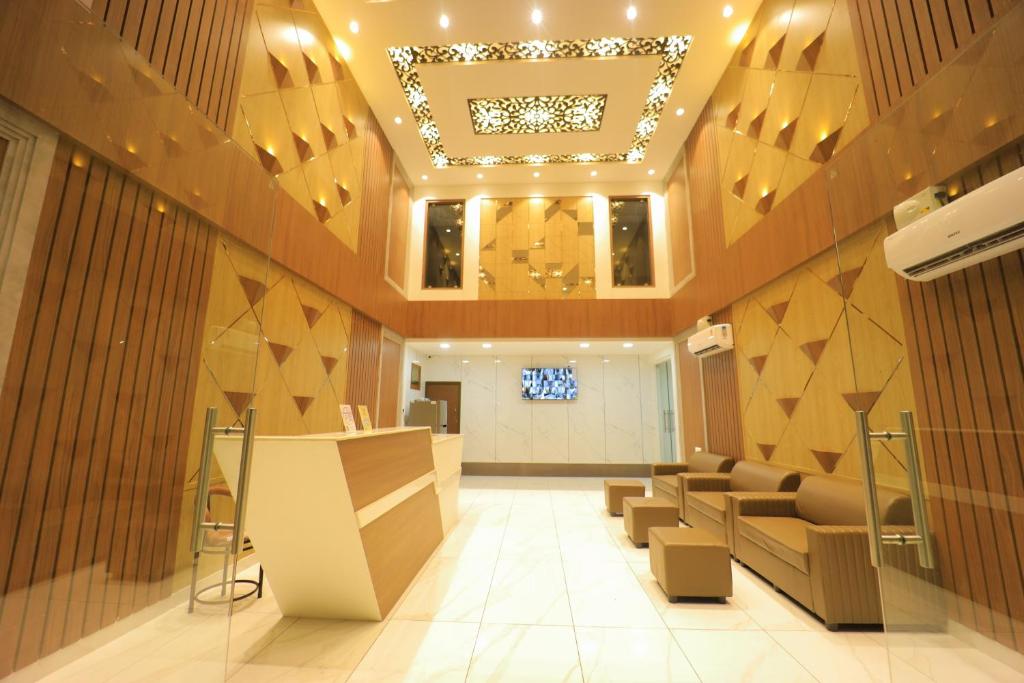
(704, 496)
(665, 483)
(813, 545)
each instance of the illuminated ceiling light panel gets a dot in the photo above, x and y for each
(671, 49)
(543, 114)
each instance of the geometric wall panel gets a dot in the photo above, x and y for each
(813, 357)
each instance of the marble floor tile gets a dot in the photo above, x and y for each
(409, 651)
(618, 655)
(448, 589)
(525, 654)
(528, 592)
(728, 656)
(321, 644)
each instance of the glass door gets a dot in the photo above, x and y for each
(126, 315)
(937, 400)
(666, 412)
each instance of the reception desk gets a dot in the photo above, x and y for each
(343, 522)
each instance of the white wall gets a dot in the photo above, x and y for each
(614, 420)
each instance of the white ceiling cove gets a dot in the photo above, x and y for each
(448, 87)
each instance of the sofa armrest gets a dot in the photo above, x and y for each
(668, 468)
(766, 505)
(844, 584)
(704, 482)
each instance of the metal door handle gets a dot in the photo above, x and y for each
(922, 538)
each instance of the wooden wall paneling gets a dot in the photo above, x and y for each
(677, 198)
(691, 401)
(364, 362)
(399, 226)
(92, 446)
(390, 383)
(722, 400)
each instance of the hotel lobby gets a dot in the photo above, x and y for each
(565, 340)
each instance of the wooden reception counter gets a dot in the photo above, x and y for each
(343, 522)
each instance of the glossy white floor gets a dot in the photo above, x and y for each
(537, 583)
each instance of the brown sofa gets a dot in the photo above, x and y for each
(665, 483)
(704, 501)
(813, 545)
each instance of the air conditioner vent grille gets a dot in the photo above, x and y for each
(968, 250)
(710, 349)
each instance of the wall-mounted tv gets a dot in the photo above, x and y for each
(550, 384)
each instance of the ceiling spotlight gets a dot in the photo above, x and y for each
(680, 111)
(465, 362)
(625, 228)
(479, 176)
(573, 362)
(423, 177)
(398, 120)
(444, 21)
(650, 171)
(631, 13)
(584, 345)
(445, 345)
(593, 174)
(627, 345)
(536, 16)
(353, 26)
(605, 360)
(727, 11)
(458, 253)
(487, 345)
(536, 174)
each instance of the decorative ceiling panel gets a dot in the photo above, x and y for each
(541, 114)
(671, 49)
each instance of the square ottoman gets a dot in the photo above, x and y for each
(691, 563)
(617, 489)
(640, 514)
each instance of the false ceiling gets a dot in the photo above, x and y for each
(497, 97)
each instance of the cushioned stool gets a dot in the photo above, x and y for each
(640, 514)
(691, 563)
(617, 489)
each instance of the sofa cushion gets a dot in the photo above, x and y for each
(756, 476)
(783, 537)
(709, 462)
(837, 502)
(667, 482)
(710, 503)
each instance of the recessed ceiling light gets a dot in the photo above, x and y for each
(479, 176)
(593, 174)
(631, 13)
(727, 11)
(536, 174)
(584, 345)
(398, 120)
(625, 228)
(444, 21)
(423, 177)
(605, 360)
(447, 229)
(465, 362)
(445, 345)
(573, 362)
(536, 16)
(650, 171)
(458, 253)
(487, 345)
(737, 33)
(497, 360)
(680, 111)
(353, 26)
(627, 345)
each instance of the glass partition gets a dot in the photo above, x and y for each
(443, 243)
(630, 221)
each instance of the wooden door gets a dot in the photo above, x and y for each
(452, 393)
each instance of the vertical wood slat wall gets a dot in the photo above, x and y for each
(964, 341)
(902, 42)
(95, 408)
(364, 362)
(195, 44)
(390, 383)
(691, 406)
(722, 400)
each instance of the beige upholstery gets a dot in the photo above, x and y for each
(665, 483)
(813, 545)
(640, 514)
(690, 563)
(702, 498)
(617, 489)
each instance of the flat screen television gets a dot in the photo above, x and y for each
(550, 384)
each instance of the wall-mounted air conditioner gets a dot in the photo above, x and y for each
(981, 225)
(712, 340)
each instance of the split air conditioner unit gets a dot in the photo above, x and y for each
(712, 340)
(981, 225)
